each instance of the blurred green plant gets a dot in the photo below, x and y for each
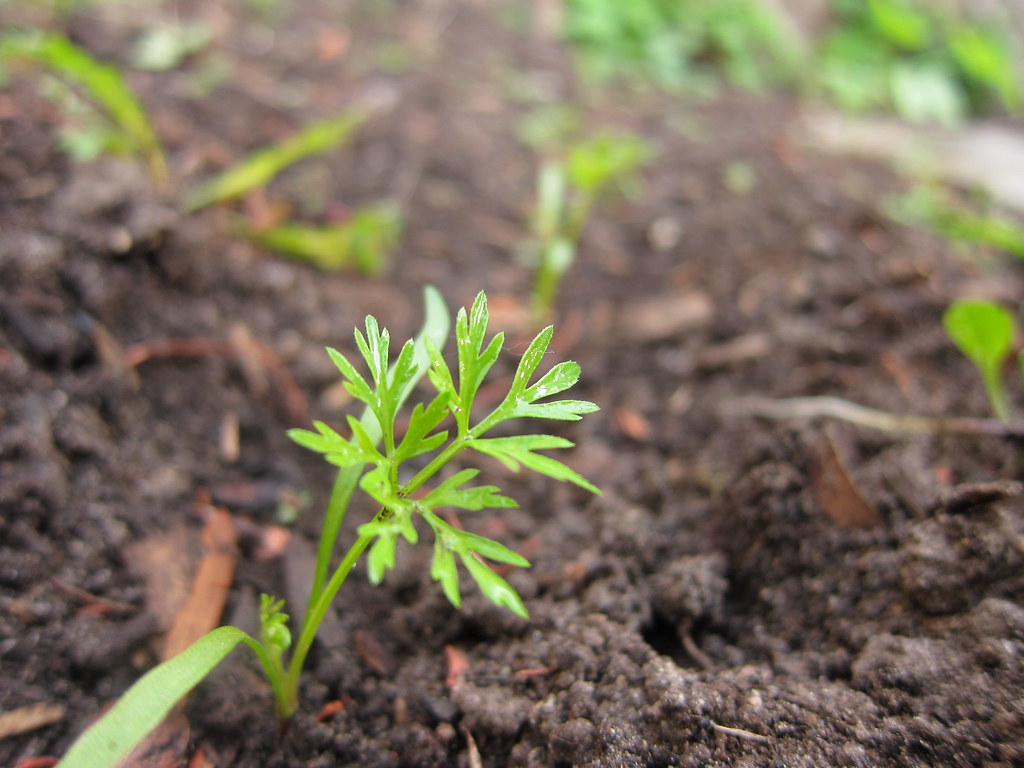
(932, 207)
(259, 168)
(983, 331)
(567, 191)
(363, 241)
(165, 45)
(919, 59)
(130, 127)
(681, 44)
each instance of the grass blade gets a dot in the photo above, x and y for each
(145, 704)
(261, 166)
(104, 84)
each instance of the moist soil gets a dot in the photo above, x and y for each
(746, 592)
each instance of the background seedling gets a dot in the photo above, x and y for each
(567, 192)
(103, 83)
(931, 207)
(983, 331)
(677, 44)
(917, 59)
(363, 241)
(259, 168)
(370, 458)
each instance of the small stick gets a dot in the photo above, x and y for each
(739, 733)
(844, 410)
(691, 647)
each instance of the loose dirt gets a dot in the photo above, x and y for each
(717, 606)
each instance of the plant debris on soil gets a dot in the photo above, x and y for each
(747, 592)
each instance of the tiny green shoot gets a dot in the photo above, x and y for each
(933, 207)
(103, 83)
(362, 241)
(567, 191)
(407, 474)
(261, 166)
(983, 331)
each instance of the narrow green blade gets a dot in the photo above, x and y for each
(261, 166)
(146, 704)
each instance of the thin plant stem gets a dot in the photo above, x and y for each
(314, 617)
(344, 486)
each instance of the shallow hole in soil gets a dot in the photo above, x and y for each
(663, 636)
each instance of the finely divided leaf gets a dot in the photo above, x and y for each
(529, 362)
(381, 558)
(451, 494)
(403, 373)
(417, 439)
(470, 330)
(355, 383)
(494, 588)
(375, 347)
(336, 449)
(491, 549)
(513, 451)
(558, 379)
(443, 569)
(564, 410)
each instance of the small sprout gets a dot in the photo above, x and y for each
(363, 241)
(102, 82)
(370, 458)
(261, 166)
(983, 331)
(567, 192)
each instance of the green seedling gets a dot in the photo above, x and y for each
(567, 192)
(930, 207)
(363, 241)
(917, 59)
(983, 331)
(374, 458)
(259, 168)
(103, 83)
(680, 45)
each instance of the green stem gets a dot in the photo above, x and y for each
(275, 674)
(288, 700)
(996, 394)
(344, 486)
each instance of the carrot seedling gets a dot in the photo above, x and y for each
(260, 167)
(103, 83)
(373, 458)
(363, 240)
(567, 192)
(983, 331)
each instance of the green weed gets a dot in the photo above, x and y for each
(259, 168)
(930, 207)
(363, 241)
(103, 83)
(917, 59)
(680, 44)
(567, 191)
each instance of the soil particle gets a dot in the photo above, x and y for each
(948, 557)
(691, 588)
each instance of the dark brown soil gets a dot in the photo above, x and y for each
(710, 609)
